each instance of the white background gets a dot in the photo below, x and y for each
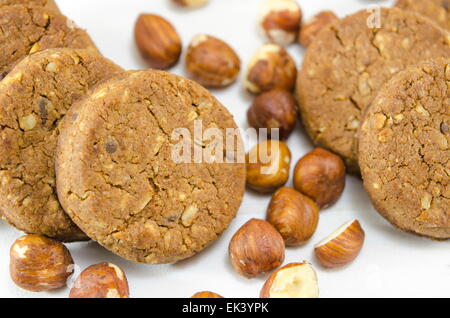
(391, 264)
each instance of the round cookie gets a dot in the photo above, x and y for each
(43, 3)
(436, 10)
(118, 178)
(26, 30)
(349, 62)
(34, 97)
(404, 150)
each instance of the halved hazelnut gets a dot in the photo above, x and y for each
(268, 165)
(206, 294)
(321, 176)
(270, 68)
(294, 215)
(276, 109)
(190, 3)
(342, 246)
(296, 280)
(280, 20)
(256, 248)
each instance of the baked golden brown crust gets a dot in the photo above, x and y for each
(349, 62)
(117, 179)
(44, 3)
(404, 150)
(26, 30)
(34, 98)
(436, 10)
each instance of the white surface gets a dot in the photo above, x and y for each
(392, 263)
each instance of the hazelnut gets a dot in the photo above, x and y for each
(190, 3)
(206, 294)
(276, 109)
(268, 165)
(212, 62)
(309, 30)
(341, 247)
(103, 280)
(157, 40)
(280, 20)
(256, 248)
(321, 176)
(38, 263)
(294, 215)
(272, 67)
(295, 280)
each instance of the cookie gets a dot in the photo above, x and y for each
(34, 97)
(404, 150)
(43, 3)
(26, 30)
(349, 62)
(118, 178)
(436, 10)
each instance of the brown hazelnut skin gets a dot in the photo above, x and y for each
(321, 176)
(211, 62)
(256, 248)
(103, 280)
(38, 263)
(157, 41)
(206, 294)
(309, 30)
(267, 173)
(271, 68)
(274, 109)
(294, 215)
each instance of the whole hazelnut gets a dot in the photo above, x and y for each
(256, 248)
(294, 215)
(190, 3)
(268, 165)
(212, 62)
(103, 280)
(276, 109)
(321, 176)
(280, 21)
(157, 40)
(270, 68)
(206, 294)
(38, 263)
(310, 29)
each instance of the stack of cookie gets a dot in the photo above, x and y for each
(109, 132)
(375, 88)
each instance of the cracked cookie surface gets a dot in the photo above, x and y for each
(34, 98)
(43, 3)
(404, 150)
(436, 10)
(349, 62)
(117, 179)
(26, 30)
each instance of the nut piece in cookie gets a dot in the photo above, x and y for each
(256, 248)
(270, 68)
(321, 176)
(294, 215)
(103, 280)
(295, 280)
(38, 263)
(268, 165)
(157, 40)
(276, 109)
(342, 246)
(310, 29)
(279, 20)
(211, 62)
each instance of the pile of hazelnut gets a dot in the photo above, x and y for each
(41, 264)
